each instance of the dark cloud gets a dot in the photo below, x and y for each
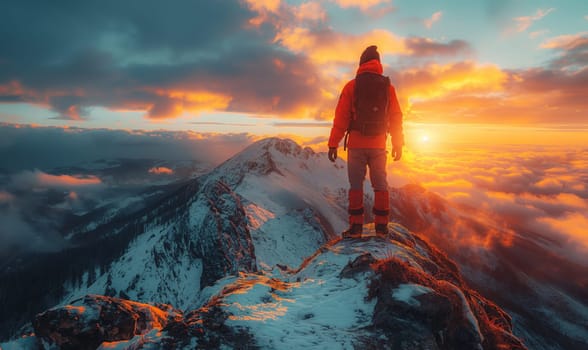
(138, 55)
(576, 55)
(423, 47)
(28, 148)
(18, 235)
(45, 32)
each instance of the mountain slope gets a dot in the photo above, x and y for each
(209, 228)
(394, 293)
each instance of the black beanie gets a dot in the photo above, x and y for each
(370, 53)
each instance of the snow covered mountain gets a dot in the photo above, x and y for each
(230, 233)
(233, 219)
(374, 293)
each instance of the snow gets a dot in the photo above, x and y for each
(313, 308)
(325, 310)
(144, 341)
(467, 311)
(137, 274)
(407, 293)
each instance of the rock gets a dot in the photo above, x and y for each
(88, 322)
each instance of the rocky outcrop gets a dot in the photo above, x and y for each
(95, 319)
(225, 245)
(368, 293)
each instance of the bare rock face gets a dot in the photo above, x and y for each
(88, 322)
(225, 245)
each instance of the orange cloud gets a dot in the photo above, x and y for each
(72, 196)
(330, 47)
(48, 180)
(310, 11)
(361, 4)
(161, 170)
(264, 9)
(572, 226)
(566, 42)
(451, 91)
(5, 197)
(13, 88)
(176, 102)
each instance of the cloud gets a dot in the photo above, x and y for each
(49, 173)
(447, 88)
(566, 42)
(362, 4)
(470, 92)
(524, 22)
(571, 227)
(427, 47)
(303, 125)
(162, 60)
(24, 147)
(325, 46)
(39, 179)
(267, 57)
(5, 197)
(436, 17)
(572, 53)
(535, 191)
(161, 170)
(18, 236)
(538, 33)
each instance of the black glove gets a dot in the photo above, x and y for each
(397, 153)
(332, 153)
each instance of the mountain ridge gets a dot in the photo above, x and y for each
(397, 292)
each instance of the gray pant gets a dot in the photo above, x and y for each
(358, 159)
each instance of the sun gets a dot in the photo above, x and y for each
(425, 138)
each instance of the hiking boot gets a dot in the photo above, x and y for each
(354, 231)
(382, 230)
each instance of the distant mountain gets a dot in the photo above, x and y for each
(369, 293)
(228, 235)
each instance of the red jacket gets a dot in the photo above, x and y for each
(344, 110)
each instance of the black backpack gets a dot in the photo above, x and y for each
(370, 99)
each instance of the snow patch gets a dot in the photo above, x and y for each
(407, 292)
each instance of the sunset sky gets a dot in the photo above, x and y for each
(495, 70)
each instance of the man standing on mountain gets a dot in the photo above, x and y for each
(366, 113)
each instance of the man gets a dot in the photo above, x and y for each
(366, 113)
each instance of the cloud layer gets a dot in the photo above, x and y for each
(29, 148)
(269, 58)
(517, 189)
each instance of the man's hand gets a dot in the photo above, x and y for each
(332, 153)
(397, 153)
